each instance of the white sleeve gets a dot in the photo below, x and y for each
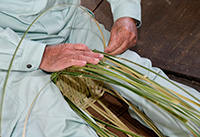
(28, 56)
(126, 8)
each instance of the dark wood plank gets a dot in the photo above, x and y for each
(189, 81)
(137, 127)
(120, 109)
(170, 35)
(103, 15)
(91, 4)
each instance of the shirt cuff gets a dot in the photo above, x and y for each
(28, 55)
(32, 55)
(127, 9)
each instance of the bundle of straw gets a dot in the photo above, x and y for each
(85, 93)
(85, 85)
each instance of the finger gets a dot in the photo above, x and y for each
(68, 63)
(63, 64)
(120, 49)
(127, 40)
(74, 62)
(114, 43)
(74, 53)
(88, 59)
(90, 54)
(127, 43)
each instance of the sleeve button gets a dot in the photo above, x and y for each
(29, 66)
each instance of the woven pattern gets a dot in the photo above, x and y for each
(86, 93)
(81, 91)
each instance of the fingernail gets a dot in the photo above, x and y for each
(84, 62)
(101, 56)
(96, 60)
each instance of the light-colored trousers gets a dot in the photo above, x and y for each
(51, 116)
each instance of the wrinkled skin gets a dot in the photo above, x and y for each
(61, 56)
(123, 36)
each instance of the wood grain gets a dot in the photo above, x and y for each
(170, 35)
(103, 15)
(91, 4)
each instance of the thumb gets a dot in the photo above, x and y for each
(108, 48)
(112, 45)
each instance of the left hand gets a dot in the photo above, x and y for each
(123, 36)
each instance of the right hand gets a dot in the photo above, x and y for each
(61, 56)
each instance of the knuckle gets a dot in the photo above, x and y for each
(71, 62)
(80, 57)
(75, 56)
(84, 53)
(72, 55)
(84, 46)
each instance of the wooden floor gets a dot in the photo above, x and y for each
(169, 37)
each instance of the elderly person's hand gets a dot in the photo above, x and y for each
(123, 36)
(61, 56)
